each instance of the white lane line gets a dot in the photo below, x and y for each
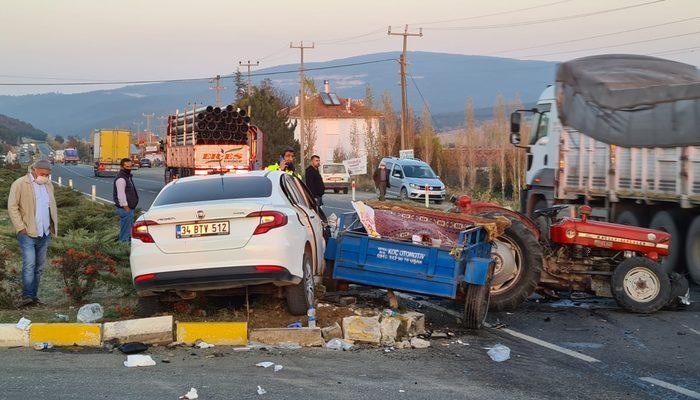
(89, 195)
(686, 392)
(692, 330)
(511, 332)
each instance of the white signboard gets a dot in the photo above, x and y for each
(356, 166)
(406, 153)
(151, 149)
(366, 215)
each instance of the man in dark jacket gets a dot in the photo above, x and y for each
(381, 180)
(314, 180)
(126, 198)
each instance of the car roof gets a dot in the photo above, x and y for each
(404, 161)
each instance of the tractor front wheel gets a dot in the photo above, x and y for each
(640, 285)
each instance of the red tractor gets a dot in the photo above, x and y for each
(578, 254)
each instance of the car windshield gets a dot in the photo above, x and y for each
(334, 169)
(225, 188)
(419, 171)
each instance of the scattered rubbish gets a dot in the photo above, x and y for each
(547, 319)
(462, 343)
(165, 361)
(23, 324)
(332, 332)
(347, 300)
(175, 344)
(402, 391)
(244, 348)
(438, 335)
(295, 325)
(42, 346)
(133, 348)
(139, 360)
(61, 317)
(418, 343)
(289, 346)
(388, 349)
(191, 395)
(278, 368)
(261, 391)
(388, 312)
(339, 344)
(405, 344)
(499, 353)
(90, 313)
(265, 364)
(322, 305)
(201, 344)
(311, 314)
(499, 325)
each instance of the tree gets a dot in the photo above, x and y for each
(371, 137)
(339, 154)
(500, 139)
(59, 139)
(354, 141)
(241, 87)
(427, 134)
(465, 147)
(310, 134)
(389, 126)
(271, 115)
(471, 143)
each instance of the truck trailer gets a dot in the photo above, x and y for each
(110, 146)
(70, 156)
(621, 133)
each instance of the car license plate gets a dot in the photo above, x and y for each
(335, 179)
(203, 229)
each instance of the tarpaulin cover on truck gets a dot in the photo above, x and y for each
(631, 100)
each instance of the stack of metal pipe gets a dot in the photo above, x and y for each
(209, 125)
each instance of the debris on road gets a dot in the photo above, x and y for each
(332, 332)
(265, 364)
(295, 325)
(201, 344)
(261, 391)
(90, 313)
(61, 317)
(389, 328)
(133, 348)
(23, 324)
(438, 335)
(362, 329)
(278, 368)
(191, 395)
(42, 346)
(139, 360)
(339, 344)
(418, 343)
(499, 353)
(347, 300)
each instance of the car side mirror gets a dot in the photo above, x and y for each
(515, 122)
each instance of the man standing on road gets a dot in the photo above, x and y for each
(314, 180)
(126, 198)
(33, 212)
(381, 180)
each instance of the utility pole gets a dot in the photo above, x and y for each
(149, 118)
(404, 102)
(161, 126)
(302, 130)
(217, 88)
(249, 88)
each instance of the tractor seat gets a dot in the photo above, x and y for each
(549, 212)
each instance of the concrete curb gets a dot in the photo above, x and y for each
(66, 334)
(218, 333)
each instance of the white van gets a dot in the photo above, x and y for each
(336, 177)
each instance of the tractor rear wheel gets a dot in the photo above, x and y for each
(640, 285)
(518, 257)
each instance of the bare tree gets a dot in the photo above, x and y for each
(371, 136)
(500, 139)
(310, 134)
(390, 128)
(427, 134)
(354, 141)
(465, 146)
(339, 154)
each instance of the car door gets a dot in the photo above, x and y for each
(310, 218)
(396, 180)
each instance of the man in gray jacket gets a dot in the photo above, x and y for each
(33, 212)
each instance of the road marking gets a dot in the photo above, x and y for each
(511, 332)
(692, 330)
(687, 392)
(90, 195)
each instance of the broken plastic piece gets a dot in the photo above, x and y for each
(339, 344)
(202, 344)
(261, 391)
(499, 353)
(191, 395)
(265, 364)
(90, 313)
(278, 368)
(139, 360)
(42, 345)
(295, 325)
(23, 324)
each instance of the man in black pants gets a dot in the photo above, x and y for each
(314, 180)
(125, 199)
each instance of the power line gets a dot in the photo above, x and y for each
(674, 51)
(336, 41)
(595, 36)
(542, 21)
(425, 103)
(184, 80)
(493, 14)
(611, 46)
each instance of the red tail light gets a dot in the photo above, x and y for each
(268, 268)
(268, 220)
(101, 167)
(146, 277)
(140, 231)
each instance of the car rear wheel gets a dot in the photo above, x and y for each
(640, 285)
(300, 297)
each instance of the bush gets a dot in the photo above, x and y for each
(66, 197)
(80, 271)
(7, 176)
(9, 281)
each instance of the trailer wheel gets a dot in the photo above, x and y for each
(692, 250)
(670, 222)
(640, 285)
(476, 303)
(518, 267)
(630, 218)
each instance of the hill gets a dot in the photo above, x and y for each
(12, 130)
(444, 80)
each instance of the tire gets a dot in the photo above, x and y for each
(640, 285)
(404, 194)
(517, 245)
(668, 222)
(300, 297)
(345, 191)
(438, 201)
(476, 304)
(692, 250)
(148, 306)
(679, 288)
(336, 191)
(630, 218)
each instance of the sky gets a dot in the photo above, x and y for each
(45, 41)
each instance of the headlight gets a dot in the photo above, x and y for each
(414, 186)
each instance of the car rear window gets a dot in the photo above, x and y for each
(334, 169)
(225, 188)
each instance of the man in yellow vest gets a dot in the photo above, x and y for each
(286, 163)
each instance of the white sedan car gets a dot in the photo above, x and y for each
(222, 232)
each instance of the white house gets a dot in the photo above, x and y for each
(335, 118)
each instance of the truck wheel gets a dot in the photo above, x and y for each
(336, 191)
(640, 285)
(148, 306)
(476, 303)
(630, 218)
(692, 250)
(668, 222)
(301, 296)
(518, 267)
(345, 191)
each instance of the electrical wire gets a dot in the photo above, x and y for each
(542, 21)
(182, 80)
(492, 14)
(425, 103)
(336, 41)
(674, 51)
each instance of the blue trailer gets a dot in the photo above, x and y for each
(464, 271)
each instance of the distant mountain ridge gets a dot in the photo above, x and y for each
(13, 130)
(445, 81)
